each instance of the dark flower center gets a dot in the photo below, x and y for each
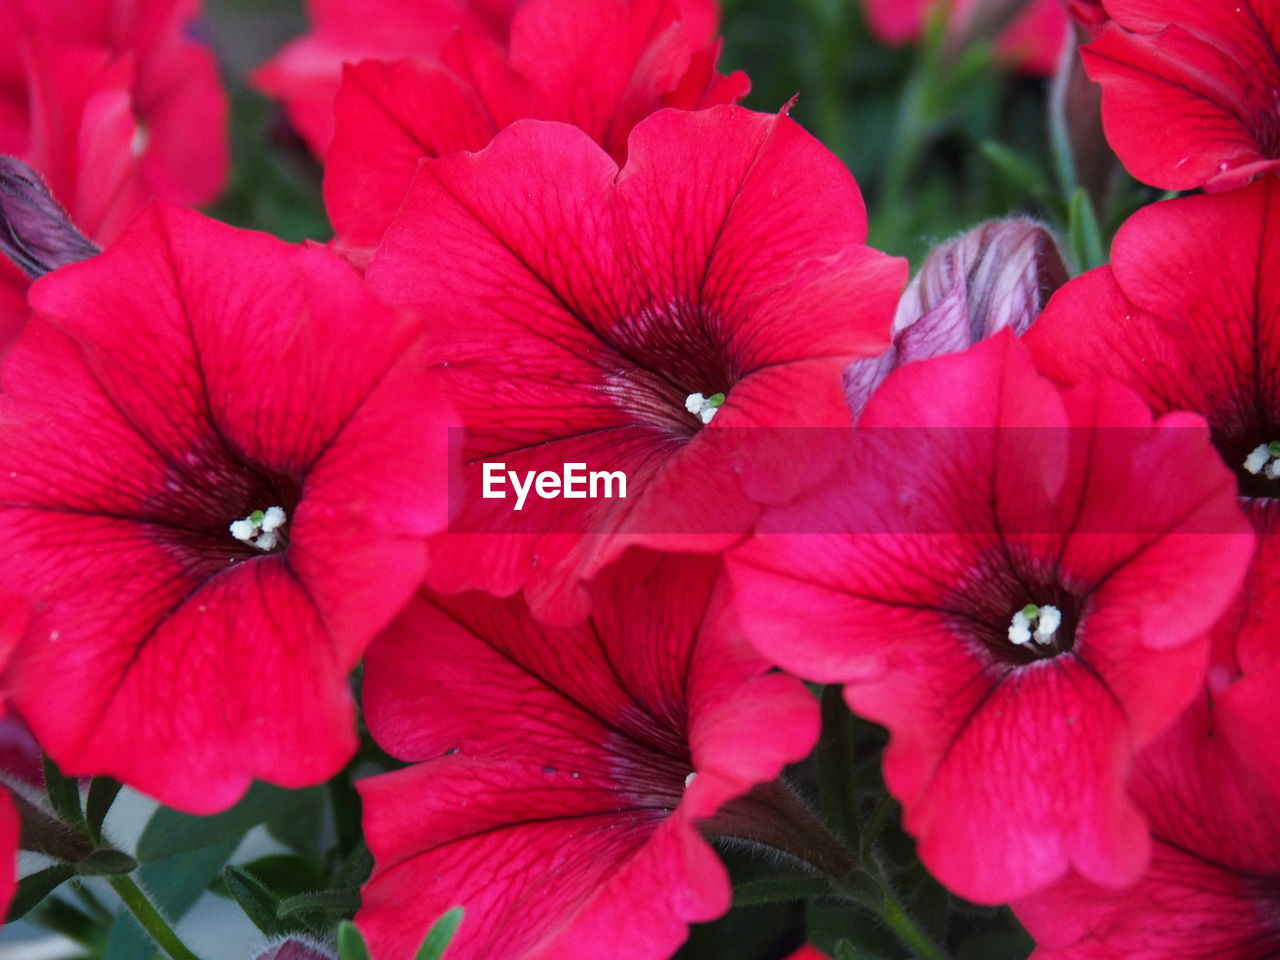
(1018, 608)
(669, 368)
(1257, 466)
(212, 488)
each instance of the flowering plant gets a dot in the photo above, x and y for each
(568, 496)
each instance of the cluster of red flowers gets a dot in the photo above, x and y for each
(1035, 542)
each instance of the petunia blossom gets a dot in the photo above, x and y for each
(1030, 34)
(112, 105)
(78, 74)
(306, 74)
(1006, 576)
(1214, 882)
(1188, 314)
(561, 776)
(602, 65)
(1189, 90)
(220, 458)
(588, 314)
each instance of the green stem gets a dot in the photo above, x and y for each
(906, 929)
(874, 895)
(779, 890)
(150, 919)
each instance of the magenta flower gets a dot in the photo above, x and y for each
(602, 65)
(1189, 89)
(583, 313)
(1187, 315)
(1211, 889)
(561, 776)
(220, 457)
(1002, 583)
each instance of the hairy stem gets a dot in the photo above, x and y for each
(149, 918)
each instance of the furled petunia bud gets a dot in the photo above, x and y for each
(1075, 116)
(295, 948)
(999, 274)
(35, 232)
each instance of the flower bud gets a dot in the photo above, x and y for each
(295, 948)
(35, 232)
(1075, 115)
(999, 274)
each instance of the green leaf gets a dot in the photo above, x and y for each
(302, 825)
(351, 943)
(837, 785)
(255, 899)
(343, 903)
(847, 951)
(1020, 170)
(441, 935)
(1003, 945)
(102, 793)
(64, 794)
(284, 874)
(1084, 236)
(73, 923)
(106, 863)
(170, 832)
(34, 888)
(355, 869)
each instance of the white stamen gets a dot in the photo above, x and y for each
(273, 519)
(689, 779)
(1273, 470)
(702, 407)
(243, 530)
(259, 528)
(1255, 461)
(1020, 629)
(1047, 624)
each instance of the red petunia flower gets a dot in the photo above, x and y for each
(1189, 90)
(1016, 585)
(602, 65)
(1188, 315)
(587, 314)
(78, 75)
(561, 775)
(113, 105)
(1214, 883)
(1032, 40)
(306, 74)
(219, 460)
